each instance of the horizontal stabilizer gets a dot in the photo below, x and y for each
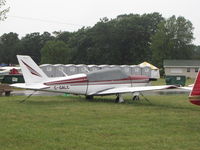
(30, 86)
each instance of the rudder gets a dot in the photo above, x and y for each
(194, 97)
(30, 70)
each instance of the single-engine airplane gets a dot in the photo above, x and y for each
(97, 83)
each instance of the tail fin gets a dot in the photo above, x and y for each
(30, 70)
(194, 97)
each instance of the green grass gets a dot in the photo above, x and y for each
(189, 81)
(65, 123)
(160, 81)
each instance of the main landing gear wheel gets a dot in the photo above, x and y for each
(136, 98)
(117, 99)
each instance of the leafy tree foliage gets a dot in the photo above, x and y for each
(172, 40)
(9, 46)
(196, 52)
(3, 10)
(63, 36)
(32, 44)
(126, 39)
(55, 52)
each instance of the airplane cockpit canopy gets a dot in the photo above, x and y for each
(106, 74)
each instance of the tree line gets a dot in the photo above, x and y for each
(126, 39)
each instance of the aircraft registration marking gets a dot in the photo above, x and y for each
(60, 87)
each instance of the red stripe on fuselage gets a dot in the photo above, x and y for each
(138, 78)
(68, 81)
(83, 81)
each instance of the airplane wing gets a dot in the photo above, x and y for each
(122, 90)
(36, 86)
(189, 88)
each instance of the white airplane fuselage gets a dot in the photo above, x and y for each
(80, 84)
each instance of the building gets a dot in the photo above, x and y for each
(188, 68)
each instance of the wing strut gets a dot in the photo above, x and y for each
(145, 98)
(27, 97)
(119, 99)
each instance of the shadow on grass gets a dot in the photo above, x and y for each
(167, 106)
(145, 103)
(63, 100)
(47, 100)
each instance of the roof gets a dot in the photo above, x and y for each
(181, 63)
(144, 64)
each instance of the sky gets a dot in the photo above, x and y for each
(28, 16)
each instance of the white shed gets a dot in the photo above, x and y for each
(126, 69)
(81, 68)
(136, 70)
(48, 69)
(59, 70)
(93, 67)
(71, 69)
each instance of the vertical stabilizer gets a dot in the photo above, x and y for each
(194, 97)
(30, 70)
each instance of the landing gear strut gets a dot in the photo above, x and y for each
(27, 97)
(119, 99)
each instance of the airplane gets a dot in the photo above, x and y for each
(6, 70)
(96, 83)
(194, 96)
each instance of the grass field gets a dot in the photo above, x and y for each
(65, 123)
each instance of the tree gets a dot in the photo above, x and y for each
(32, 44)
(9, 47)
(55, 52)
(46, 36)
(134, 36)
(123, 40)
(196, 52)
(172, 40)
(3, 10)
(79, 44)
(63, 36)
